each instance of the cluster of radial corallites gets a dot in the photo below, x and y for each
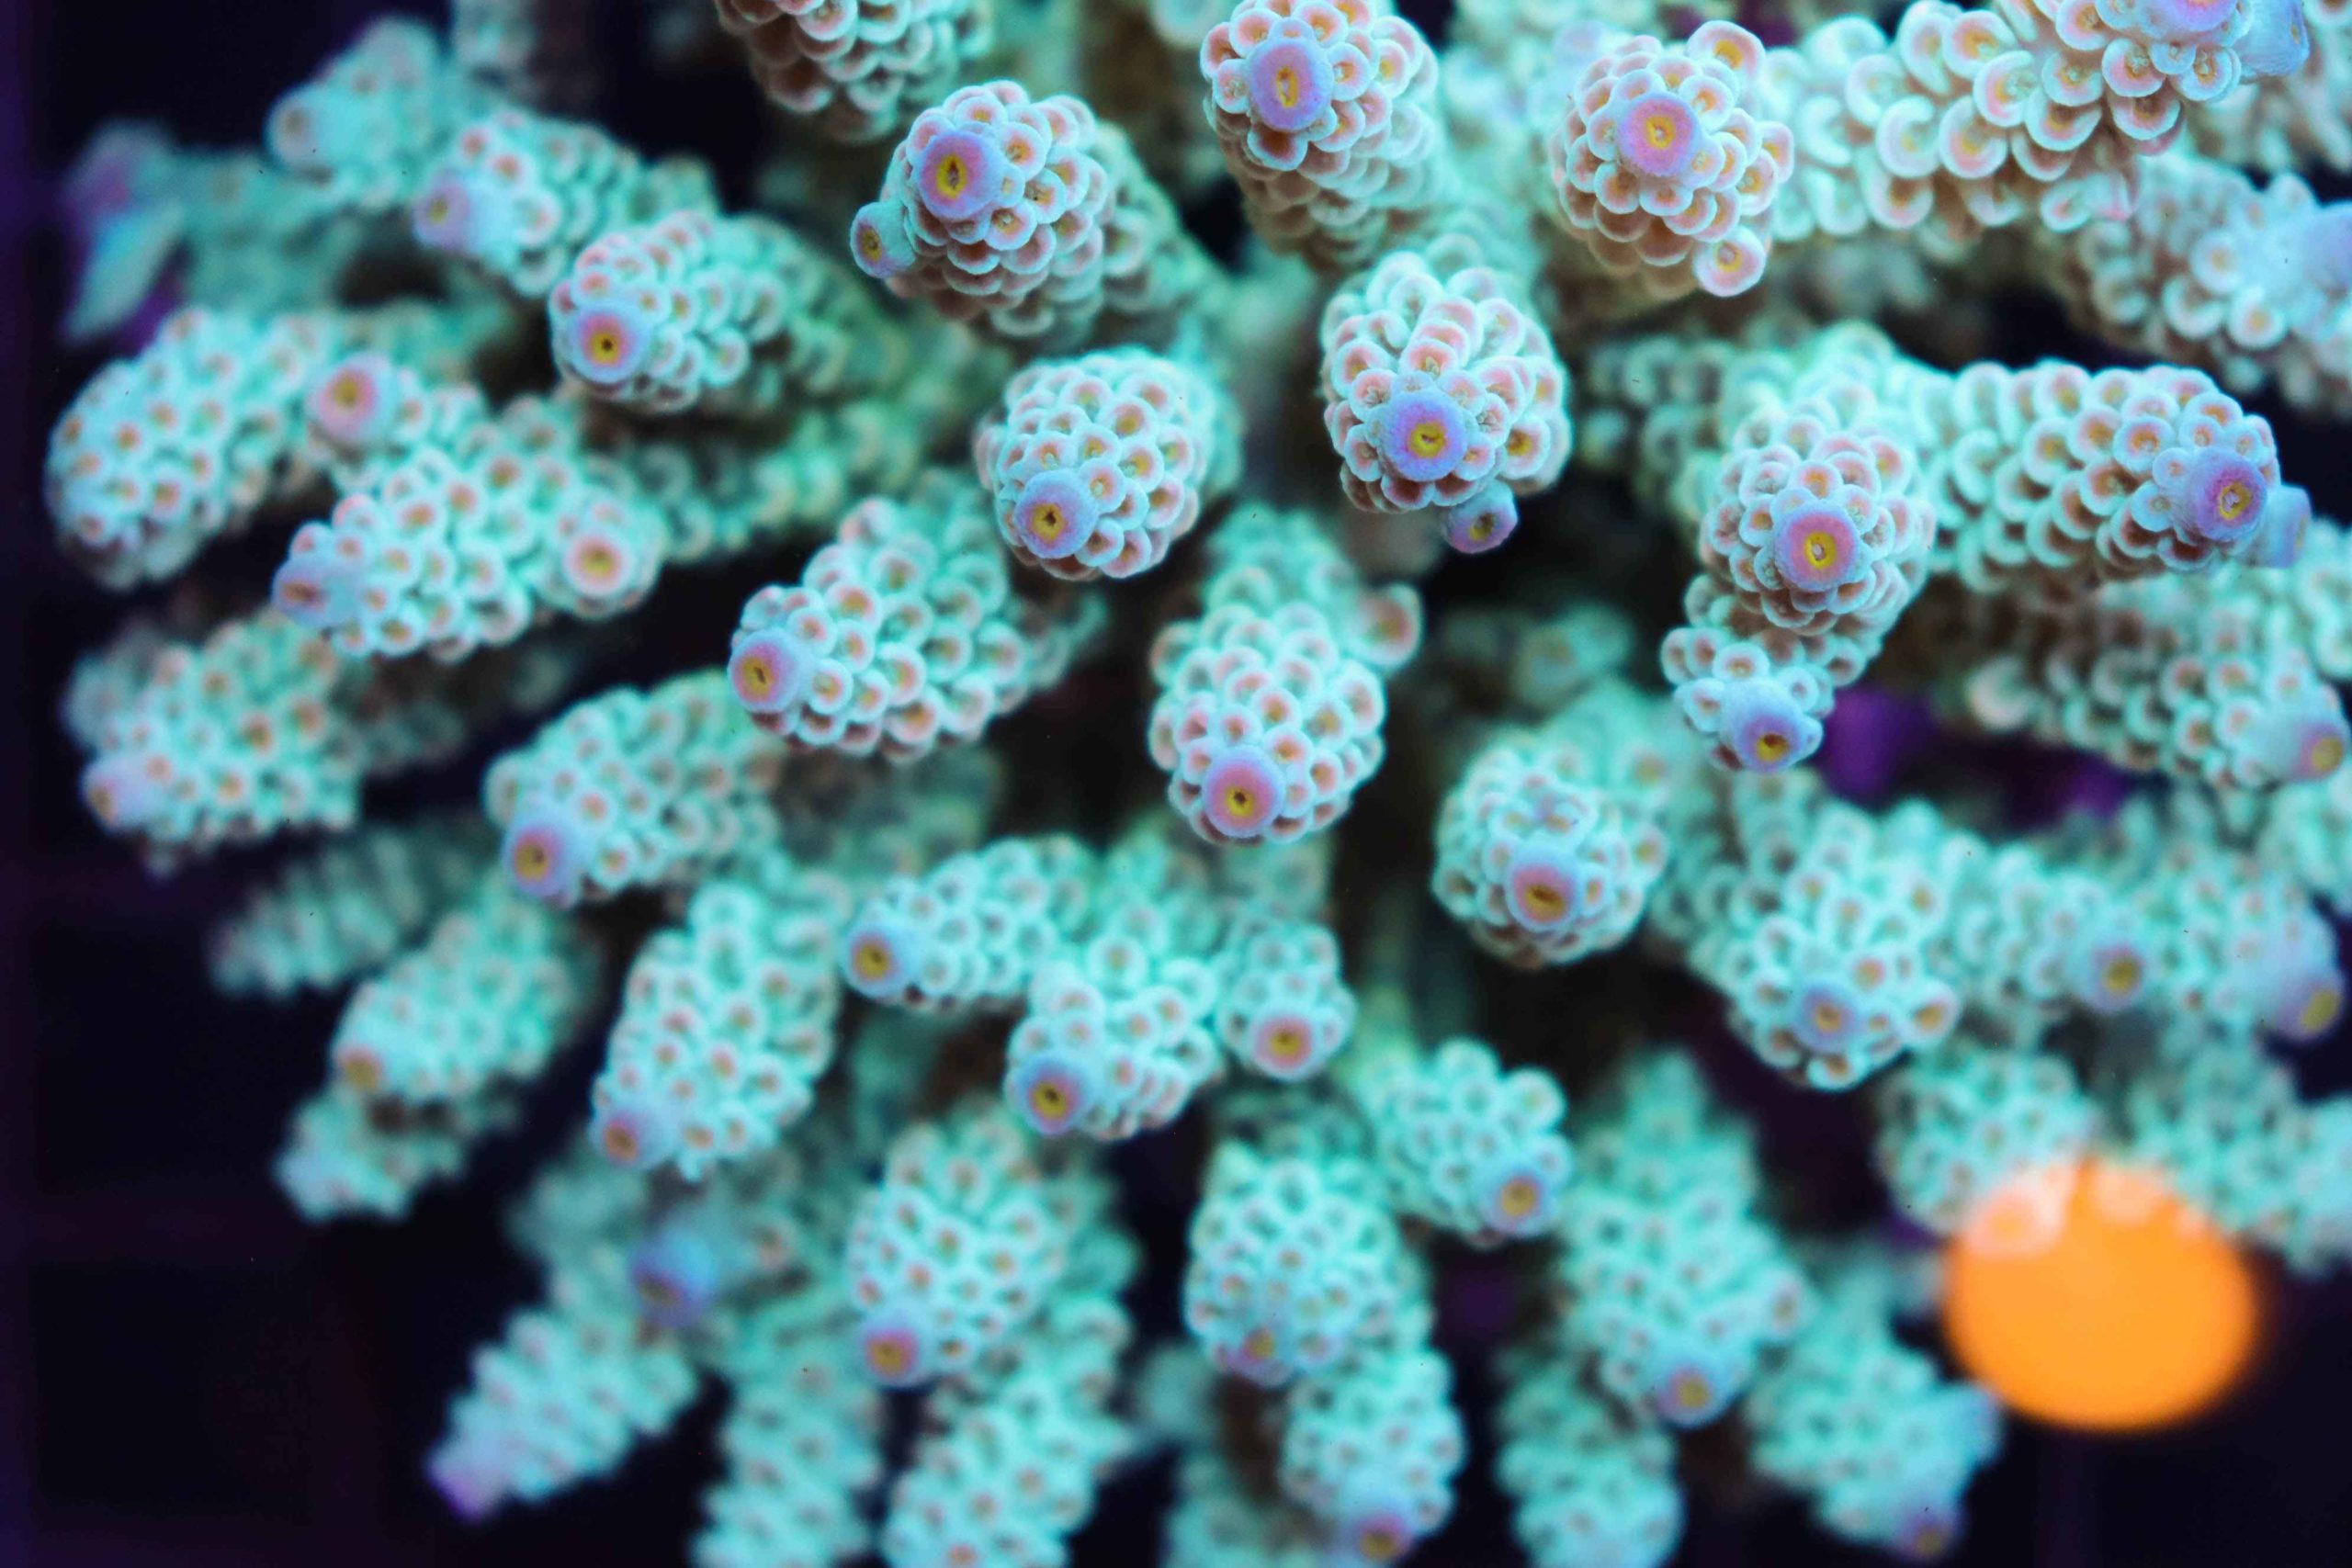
(539, 52)
(801, 1441)
(993, 212)
(1442, 390)
(515, 195)
(348, 1155)
(1961, 1123)
(905, 633)
(1542, 854)
(1461, 1143)
(2029, 938)
(2299, 832)
(1590, 1482)
(330, 916)
(1864, 1428)
(1269, 708)
(1117, 1038)
(1972, 120)
(970, 933)
(1098, 465)
(1327, 113)
(2207, 270)
(960, 1243)
(2050, 479)
(365, 130)
(634, 789)
(2288, 117)
(727, 315)
(860, 68)
(1831, 966)
(2228, 1132)
(365, 414)
(1371, 1449)
(495, 989)
(1283, 1008)
(1675, 1286)
(561, 1397)
(2239, 950)
(162, 453)
(1294, 1265)
(447, 551)
(726, 1021)
(2176, 676)
(1665, 164)
(230, 740)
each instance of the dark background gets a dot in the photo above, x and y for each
(190, 1375)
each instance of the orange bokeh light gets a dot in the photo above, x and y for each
(2094, 1297)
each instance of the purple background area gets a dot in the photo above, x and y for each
(190, 1375)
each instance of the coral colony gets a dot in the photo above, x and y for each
(980, 424)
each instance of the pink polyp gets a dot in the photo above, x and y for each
(605, 346)
(1055, 515)
(1815, 548)
(1657, 135)
(1420, 435)
(545, 856)
(959, 176)
(1290, 83)
(768, 671)
(1241, 792)
(2222, 496)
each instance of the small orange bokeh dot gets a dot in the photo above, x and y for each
(2093, 1296)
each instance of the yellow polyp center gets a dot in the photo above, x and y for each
(2234, 498)
(437, 211)
(1286, 87)
(604, 347)
(2319, 1010)
(870, 243)
(1427, 438)
(1820, 550)
(1480, 526)
(887, 1357)
(2326, 755)
(362, 1071)
(346, 393)
(1240, 801)
(1728, 255)
(1047, 522)
(872, 960)
(757, 677)
(598, 563)
(1690, 1391)
(1658, 131)
(1286, 1043)
(1771, 748)
(621, 1144)
(1518, 443)
(1827, 1018)
(1260, 1345)
(1378, 1543)
(2121, 975)
(1544, 901)
(950, 178)
(1050, 1101)
(532, 859)
(1517, 1200)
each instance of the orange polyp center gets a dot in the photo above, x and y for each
(304, 594)
(2234, 498)
(1049, 1099)
(2111, 1305)
(1829, 1017)
(1820, 548)
(1545, 901)
(2319, 1010)
(1773, 748)
(363, 1071)
(1659, 130)
(1286, 1043)
(620, 1143)
(871, 959)
(951, 176)
(1427, 438)
(1286, 87)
